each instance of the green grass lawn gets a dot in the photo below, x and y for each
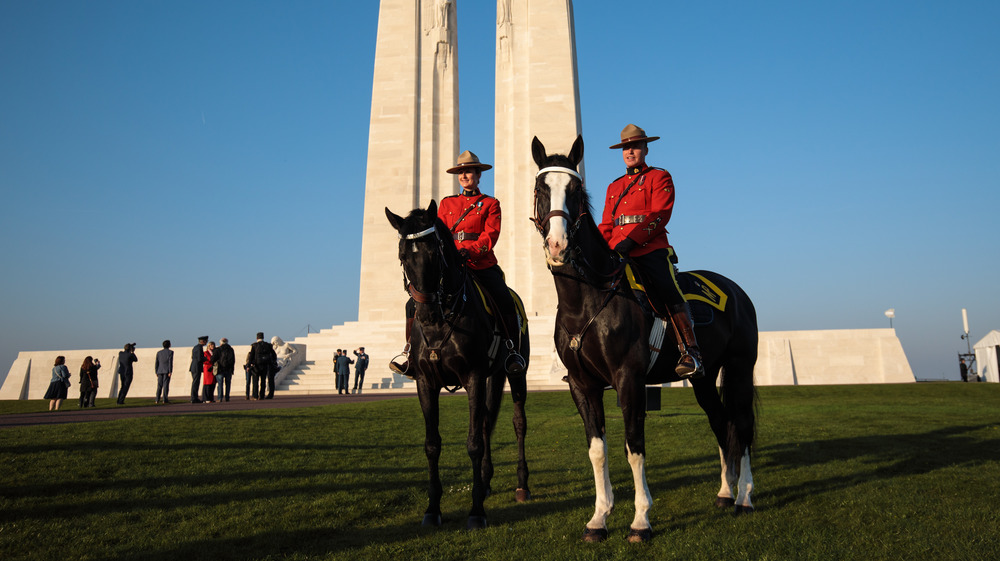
(841, 472)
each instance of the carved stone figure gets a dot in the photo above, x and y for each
(283, 350)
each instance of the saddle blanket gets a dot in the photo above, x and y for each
(702, 295)
(522, 319)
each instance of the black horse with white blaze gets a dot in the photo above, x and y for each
(449, 348)
(603, 337)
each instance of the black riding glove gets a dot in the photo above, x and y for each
(625, 246)
(464, 253)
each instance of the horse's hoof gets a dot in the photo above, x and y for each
(522, 495)
(740, 509)
(431, 520)
(591, 535)
(476, 523)
(724, 502)
(639, 536)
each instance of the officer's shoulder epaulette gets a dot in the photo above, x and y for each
(619, 177)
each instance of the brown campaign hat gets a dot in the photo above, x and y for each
(468, 160)
(632, 134)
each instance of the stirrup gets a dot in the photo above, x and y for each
(515, 363)
(691, 371)
(401, 366)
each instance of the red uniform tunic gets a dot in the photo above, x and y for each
(643, 212)
(207, 376)
(481, 223)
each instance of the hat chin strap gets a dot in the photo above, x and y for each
(559, 169)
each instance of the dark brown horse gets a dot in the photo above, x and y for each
(449, 348)
(603, 337)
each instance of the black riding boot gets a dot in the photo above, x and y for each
(689, 365)
(404, 366)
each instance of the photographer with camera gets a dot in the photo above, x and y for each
(125, 360)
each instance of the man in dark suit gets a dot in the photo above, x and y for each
(264, 365)
(197, 360)
(164, 369)
(225, 357)
(125, 360)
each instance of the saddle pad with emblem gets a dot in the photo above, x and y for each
(702, 295)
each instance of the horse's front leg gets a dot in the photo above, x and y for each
(519, 393)
(494, 399)
(632, 394)
(590, 403)
(476, 444)
(432, 449)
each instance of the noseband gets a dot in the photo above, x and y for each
(540, 223)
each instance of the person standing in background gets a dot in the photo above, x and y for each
(359, 369)
(264, 362)
(208, 375)
(58, 385)
(125, 360)
(226, 358)
(343, 372)
(164, 369)
(88, 381)
(197, 360)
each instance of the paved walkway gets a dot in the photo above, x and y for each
(70, 413)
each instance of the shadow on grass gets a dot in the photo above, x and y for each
(884, 457)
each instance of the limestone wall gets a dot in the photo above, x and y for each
(846, 356)
(29, 376)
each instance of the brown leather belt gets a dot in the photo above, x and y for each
(629, 219)
(461, 236)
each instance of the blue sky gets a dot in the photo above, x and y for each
(171, 169)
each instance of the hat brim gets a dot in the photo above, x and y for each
(462, 168)
(634, 141)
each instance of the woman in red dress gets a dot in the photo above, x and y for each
(208, 376)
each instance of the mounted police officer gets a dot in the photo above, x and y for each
(474, 220)
(637, 209)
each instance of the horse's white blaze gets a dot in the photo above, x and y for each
(602, 480)
(558, 238)
(643, 499)
(745, 484)
(726, 490)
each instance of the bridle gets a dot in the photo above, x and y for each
(541, 223)
(455, 300)
(578, 262)
(439, 296)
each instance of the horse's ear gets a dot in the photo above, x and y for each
(396, 221)
(432, 209)
(538, 152)
(576, 152)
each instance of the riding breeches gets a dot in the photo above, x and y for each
(658, 275)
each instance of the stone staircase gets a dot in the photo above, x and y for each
(382, 341)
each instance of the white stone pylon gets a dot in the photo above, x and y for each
(412, 140)
(537, 94)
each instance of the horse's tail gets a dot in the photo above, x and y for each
(740, 400)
